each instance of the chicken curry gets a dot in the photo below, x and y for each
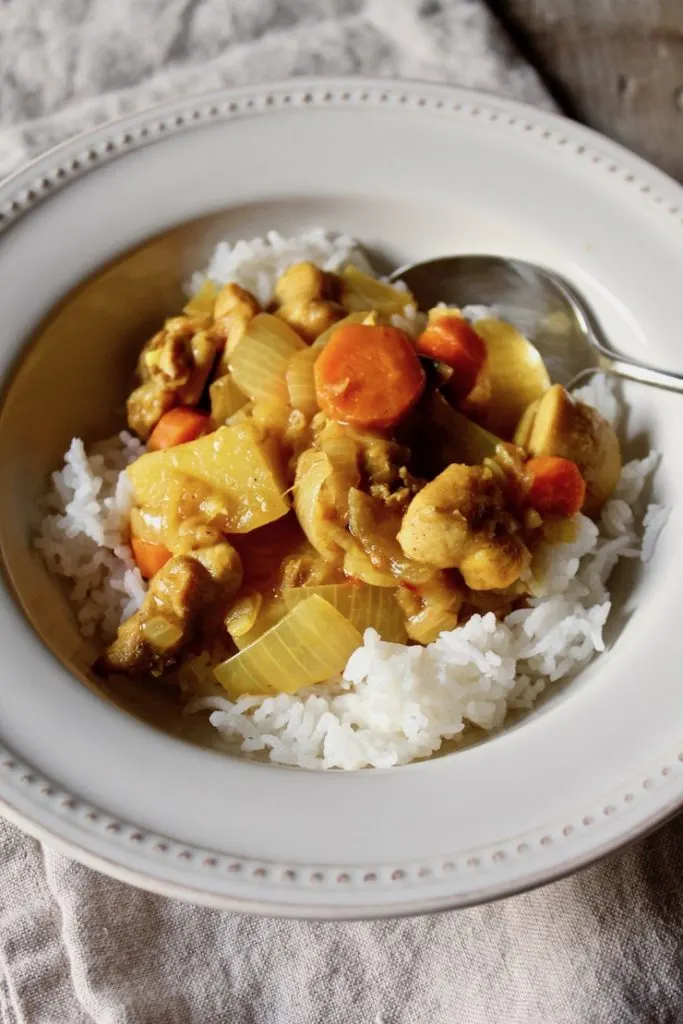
(325, 465)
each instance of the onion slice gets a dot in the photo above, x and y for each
(260, 358)
(362, 292)
(311, 643)
(226, 399)
(301, 382)
(364, 606)
(203, 301)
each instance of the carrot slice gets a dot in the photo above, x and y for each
(451, 340)
(178, 426)
(555, 485)
(368, 376)
(149, 557)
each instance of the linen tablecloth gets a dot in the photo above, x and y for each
(603, 946)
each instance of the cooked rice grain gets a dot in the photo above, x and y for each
(257, 264)
(84, 536)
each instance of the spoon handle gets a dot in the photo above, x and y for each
(643, 374)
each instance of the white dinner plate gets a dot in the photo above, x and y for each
(413, 170)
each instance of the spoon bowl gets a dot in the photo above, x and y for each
(540, 304)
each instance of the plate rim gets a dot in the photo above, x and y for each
(74, 158)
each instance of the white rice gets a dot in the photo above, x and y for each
(393, 703)
(257, 264)
(84, 534)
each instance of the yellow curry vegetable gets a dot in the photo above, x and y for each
(242, 478)
(259, 360)
(516, 376)
(311, 643)
(362, 605)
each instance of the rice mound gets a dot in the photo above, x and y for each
(393, 703)
(84, 533)
(257, 264)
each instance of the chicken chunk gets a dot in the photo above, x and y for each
(234, 310)
(494, 563)
(151, 639)
(384, 469)
(224, 566)
(178, 595)
(306, 281)
(232, 298)
(176, 356)
(461, 521)
(559, 425)
(307, 298)
(310, 317)
(146, 405)
(174, 367)
(308, 570)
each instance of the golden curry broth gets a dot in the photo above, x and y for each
(263, 551)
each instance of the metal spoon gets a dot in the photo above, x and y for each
(544, 307)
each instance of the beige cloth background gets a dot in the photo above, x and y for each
(76, 948)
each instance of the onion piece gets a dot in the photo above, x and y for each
(271, 610)
(364, 606)
(161, 633)
(359, 567)
(375, 527)
(202, 302)
(311, 643)
(431, 609)
(433, 619)
(342, 449)
(242, 615)
(444, 435)
(226, 399)
(343, 453)
(427, 625)
(301, 383)
(259, 360)
(315, 509)
(362, 292)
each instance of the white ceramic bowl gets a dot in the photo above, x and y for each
(413, 170)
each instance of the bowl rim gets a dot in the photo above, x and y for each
(72, 159)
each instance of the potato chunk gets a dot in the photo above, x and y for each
(514, 376)
(235, 465)
(559, 425)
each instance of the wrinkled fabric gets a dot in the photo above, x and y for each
(77, 948)
(66, 65)
(600, 947)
